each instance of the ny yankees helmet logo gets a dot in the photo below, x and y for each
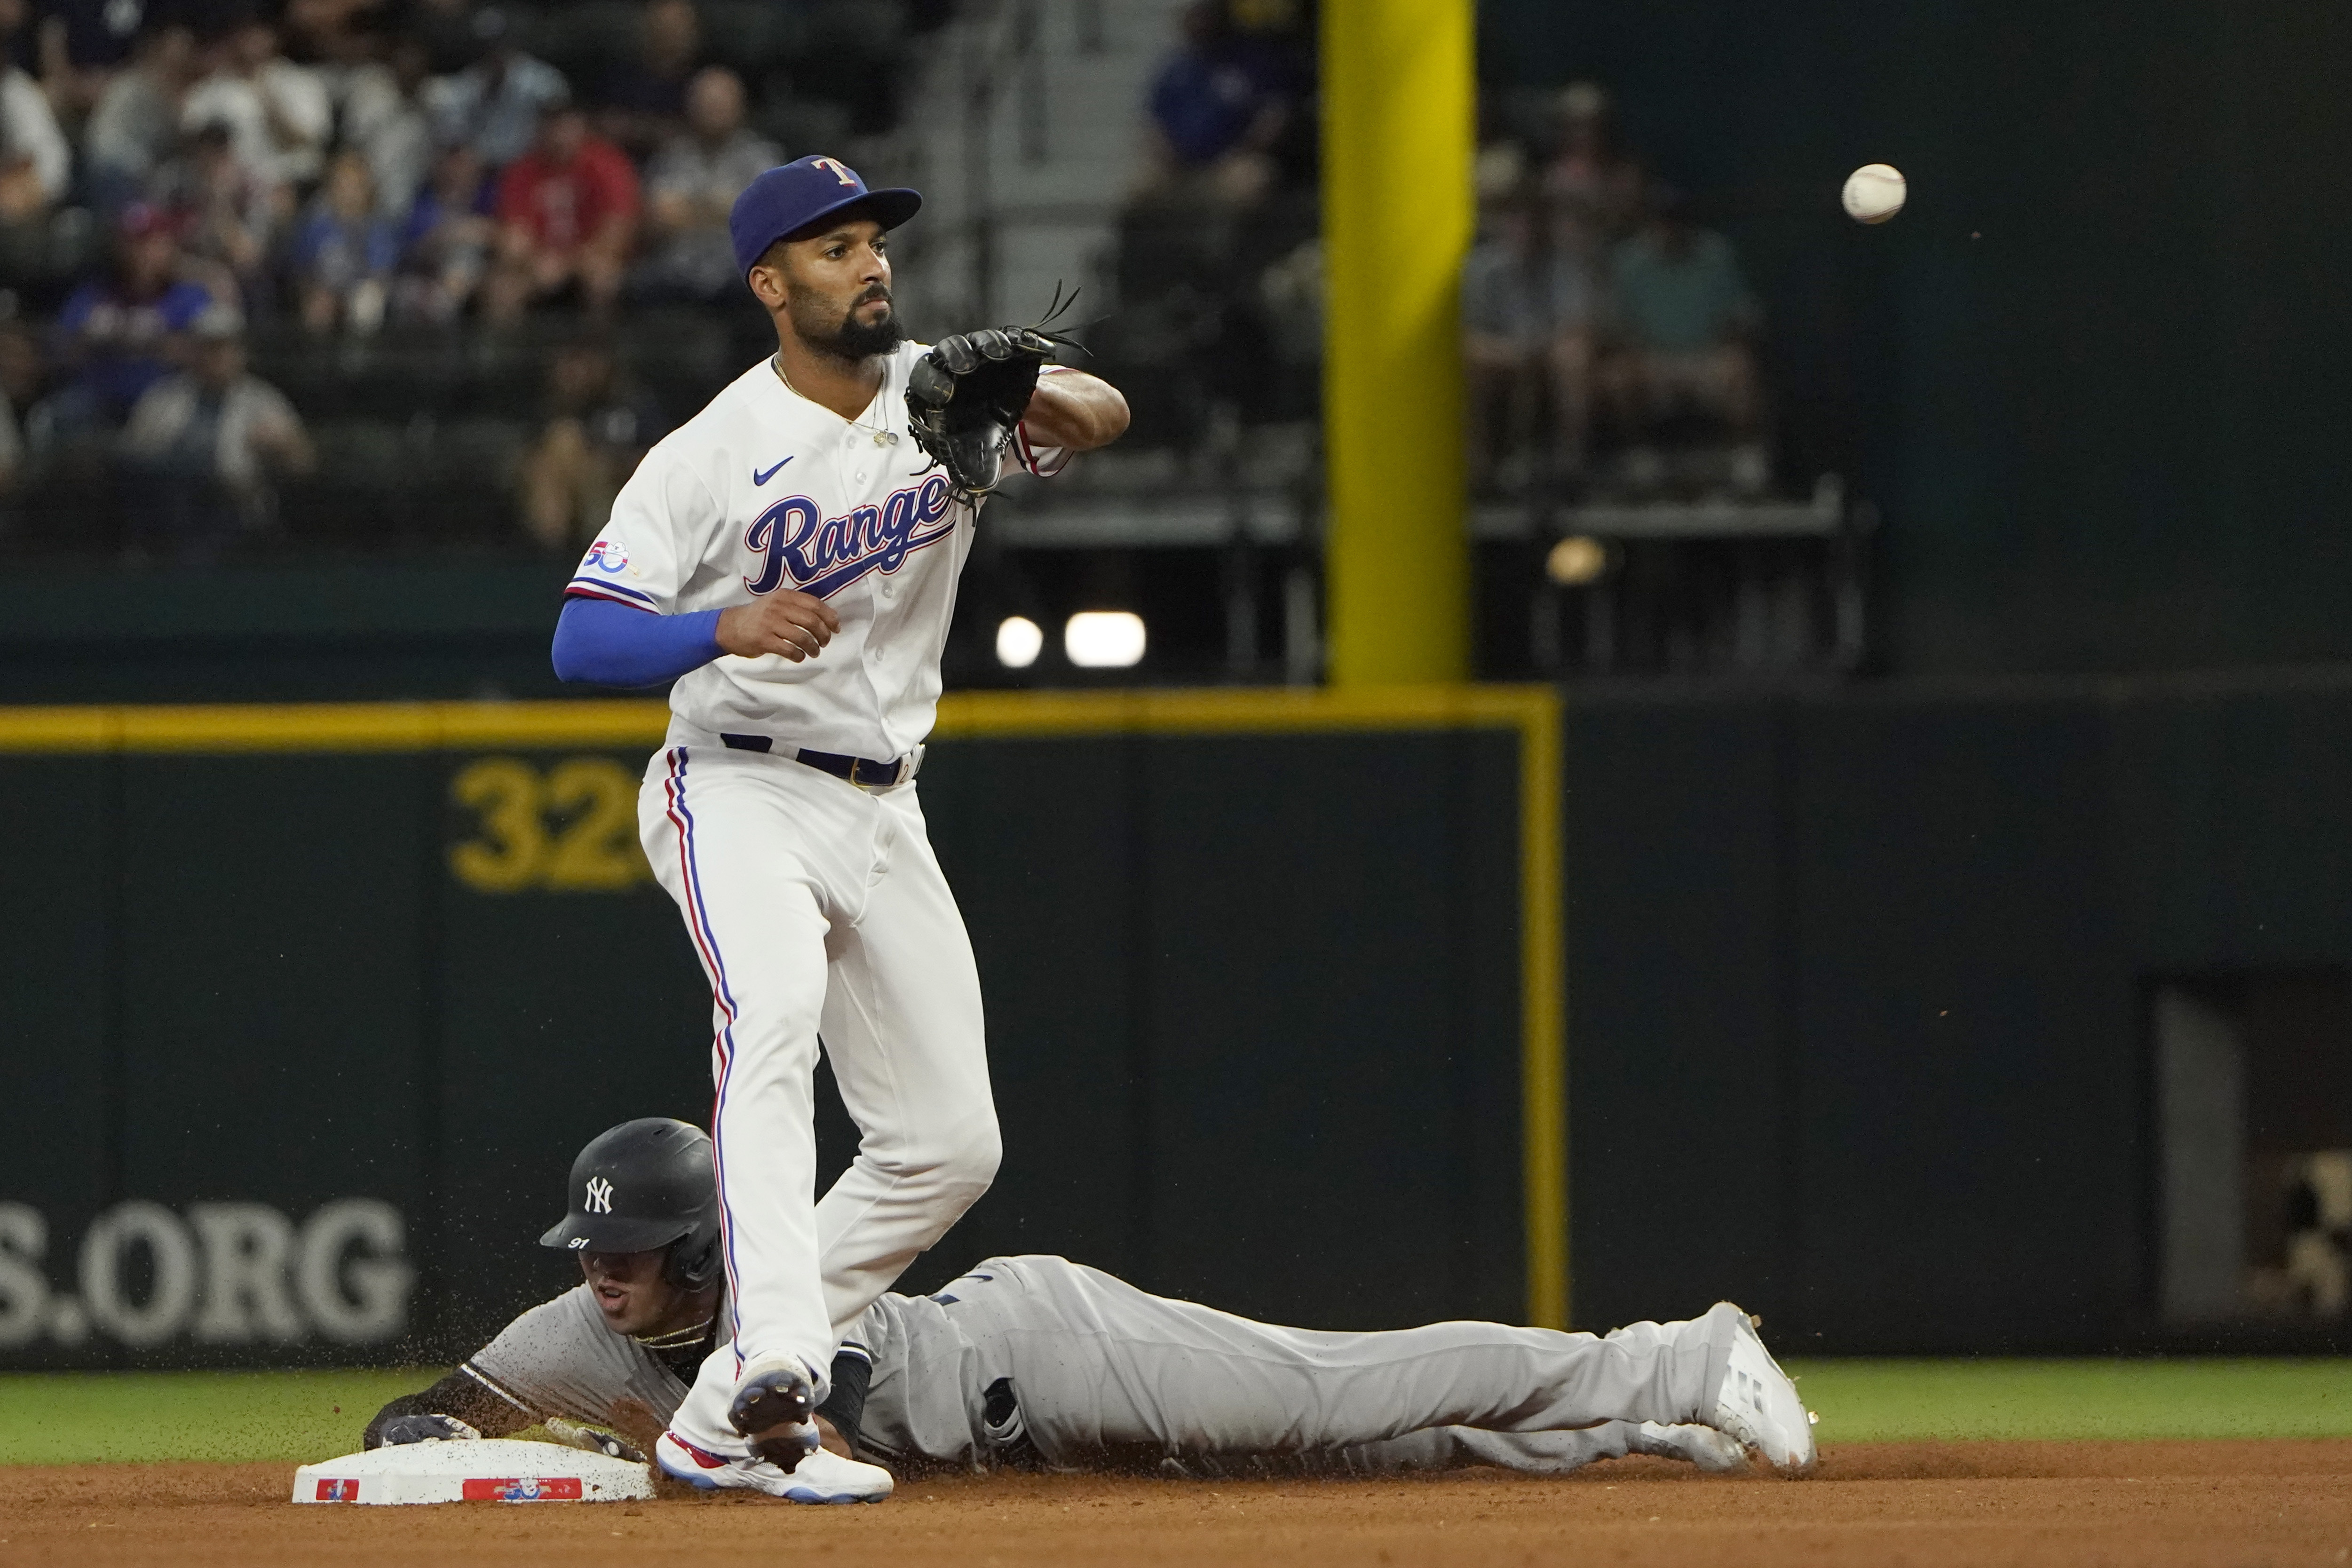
(600, 1195)
(840, 170)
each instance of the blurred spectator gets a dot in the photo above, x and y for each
(1594, 189)
(1683, 318)
(35, 161)
(691, 187)
(344, 252)
(1220, 103)
(136, 125)
(383, 115)
(348, 45)
(445, 248)
(567, 217)
(493, 105)
(595, 433)
(120, 334)
(278, 112)
(208, 441)
(641, 101)
(227, 212)
(20, 387)
(24, 370)
(1499, 172)
(1527, 318)
(12, 456)
(81, 45)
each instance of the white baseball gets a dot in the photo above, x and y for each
(1874, 193)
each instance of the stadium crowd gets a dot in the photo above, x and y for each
(335, 188)
(1609, 337)
(359, 272)
(1601, 321)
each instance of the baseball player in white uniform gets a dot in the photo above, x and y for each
(1039, 1362)
(790, 557)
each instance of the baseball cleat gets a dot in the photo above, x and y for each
(1716, 1453)
(774, 1406)
(1757, 1402)
(821, 1477)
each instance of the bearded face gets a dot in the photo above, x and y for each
(856, 331)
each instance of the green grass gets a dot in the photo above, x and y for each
(65, 1418)
(1895, 1401)
(55, 1418)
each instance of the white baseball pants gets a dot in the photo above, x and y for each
(817, 906)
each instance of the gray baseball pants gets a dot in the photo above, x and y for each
(1103, 1371)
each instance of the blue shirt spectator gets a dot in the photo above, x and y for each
(345, 250)
(445, 245)
(459, 189)
(1223, 91)
(338, 249)
(119, 331)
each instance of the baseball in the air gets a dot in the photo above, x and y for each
(1874, 193)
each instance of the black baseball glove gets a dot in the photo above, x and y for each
(430, 1428)
(965, 396)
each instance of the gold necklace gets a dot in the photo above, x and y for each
(675, 1339)
(882, 436)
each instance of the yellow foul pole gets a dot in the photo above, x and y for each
(1398, 103)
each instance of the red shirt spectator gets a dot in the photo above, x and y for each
(564, 202)
(567, 218)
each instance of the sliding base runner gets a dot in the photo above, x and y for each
(495, 1470)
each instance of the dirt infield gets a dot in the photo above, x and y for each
(1972, 1503)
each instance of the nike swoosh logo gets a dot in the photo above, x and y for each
(759, 478)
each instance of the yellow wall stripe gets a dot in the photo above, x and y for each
(1532, 710)
(1543, 1013)
(332, 726)
(429, 726)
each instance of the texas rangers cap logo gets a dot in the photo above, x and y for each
(791, 197)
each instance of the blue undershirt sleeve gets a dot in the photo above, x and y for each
(613, 644)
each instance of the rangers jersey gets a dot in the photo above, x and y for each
(763, 491)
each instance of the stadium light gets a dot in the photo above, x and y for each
(1577, 561)
(1019, 641)
(1104, 639)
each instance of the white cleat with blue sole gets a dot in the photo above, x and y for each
(822, 1476)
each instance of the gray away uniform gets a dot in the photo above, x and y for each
(559, 1359)
(1041, 1361)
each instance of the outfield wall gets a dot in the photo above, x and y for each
(302, 1038)
(1855, 1025)
(1858, 986)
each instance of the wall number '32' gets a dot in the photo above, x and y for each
(571, 829)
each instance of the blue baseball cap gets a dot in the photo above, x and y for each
(790, 197)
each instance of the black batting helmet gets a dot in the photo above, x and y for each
(644, 1185)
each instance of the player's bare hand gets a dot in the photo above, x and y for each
(794, 625)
